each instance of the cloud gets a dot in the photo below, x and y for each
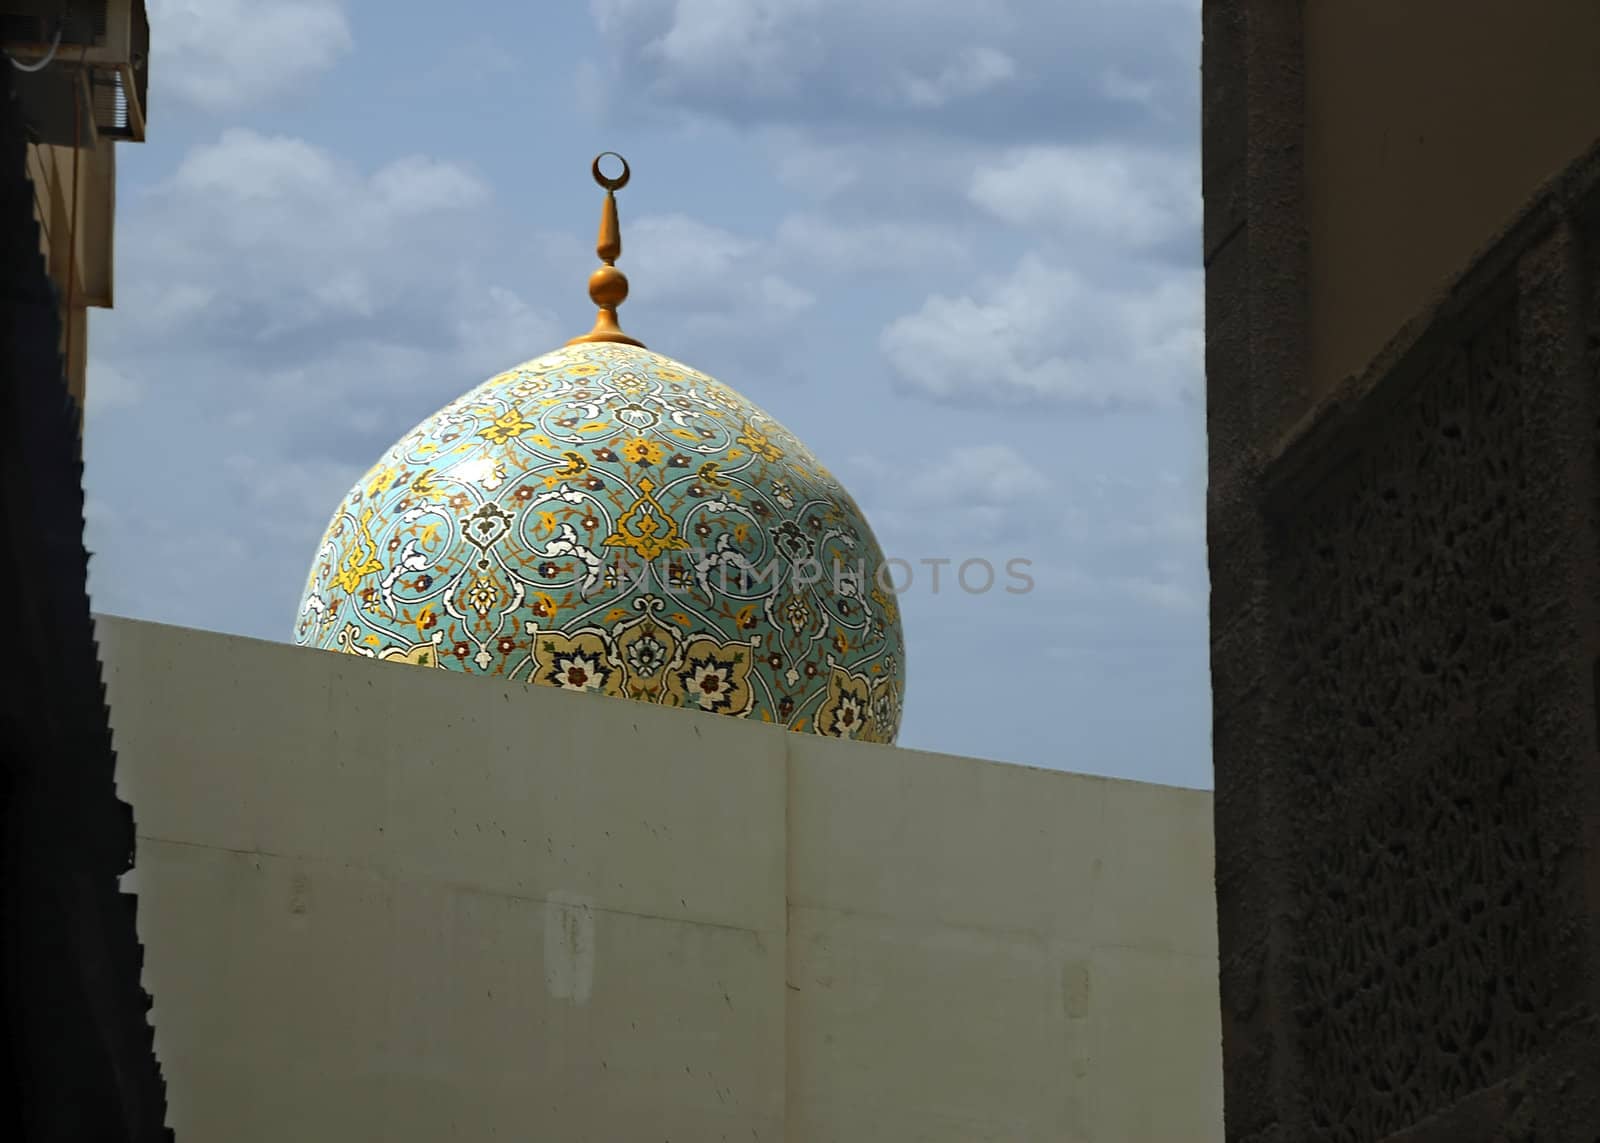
(287, 315)
(1167, 594)
(992, 475)
(325, 243)
(222, 55)
(301, 311)
(711, 283)
(981, 68)
(765, 46)
(1162, 510)
(258, 181)
(1133, 197)
(502, 327)
(877, 247)
(974, 71)
(1136, 540)
(968, 495)
(1117, 85)
(1094, 537)
(287, 309)
(1107, 615)
(107, 389)
(674, 257)
(807, 166)
(419, 185)
(877, 175)
(1043, 335)
(282, 497)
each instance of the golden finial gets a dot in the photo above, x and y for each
(608, 286)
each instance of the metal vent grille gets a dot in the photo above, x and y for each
(110, 101)
(107, 42)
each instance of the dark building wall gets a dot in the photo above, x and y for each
(76, 1057)
(1428, 124)
(1405, 589)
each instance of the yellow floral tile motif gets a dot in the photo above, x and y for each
(504, 427)
(646, 528)
(359, 558)
(846, 708)
(605, 520)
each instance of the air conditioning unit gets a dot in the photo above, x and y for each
(88, 54)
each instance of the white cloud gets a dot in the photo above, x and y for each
(1094, 534)
(286, 310)
(1018, 64)
(774, 50)
(246, 165)
(974, 71)
(502, 329)
(993, 475)
(719, 281)
(172, 305)
(811, 168)
(966, 496)
(762, 42)
(1132, 197)
(903, 180)
(1167, 594)
(253, 177)
(279, 290)
(1159, 510)
(107, 389)
(761, 45)
(1115, 556)
(782, 297)
(674, 256)
(591, 91)
(320, 237)
(221, 55)
(876, 247)
(280, 497)
(1139, 540)
(1117, 85)
(1043, 335)
(418, 185)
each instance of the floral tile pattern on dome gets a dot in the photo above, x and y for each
(605, 519)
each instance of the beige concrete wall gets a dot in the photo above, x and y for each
(988, 952)
(1428, 125)
(380, 902)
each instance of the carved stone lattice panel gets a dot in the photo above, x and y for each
(1409, 606)
(1407, 584)
(1591, 349)
(1423, 958)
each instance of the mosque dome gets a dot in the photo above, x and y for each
(605, 519)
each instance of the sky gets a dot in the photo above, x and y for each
(954, 245)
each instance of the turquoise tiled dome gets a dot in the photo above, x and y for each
(605, 519)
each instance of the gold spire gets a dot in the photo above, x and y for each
(608, 286)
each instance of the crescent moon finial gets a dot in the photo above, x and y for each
(608, 286)
(608, 182)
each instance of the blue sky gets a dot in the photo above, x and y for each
(953, 246)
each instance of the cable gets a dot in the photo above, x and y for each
(49, 57)
(72, 237)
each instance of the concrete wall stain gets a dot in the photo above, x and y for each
(569, 948)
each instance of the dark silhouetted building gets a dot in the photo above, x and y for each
(1403, 377)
